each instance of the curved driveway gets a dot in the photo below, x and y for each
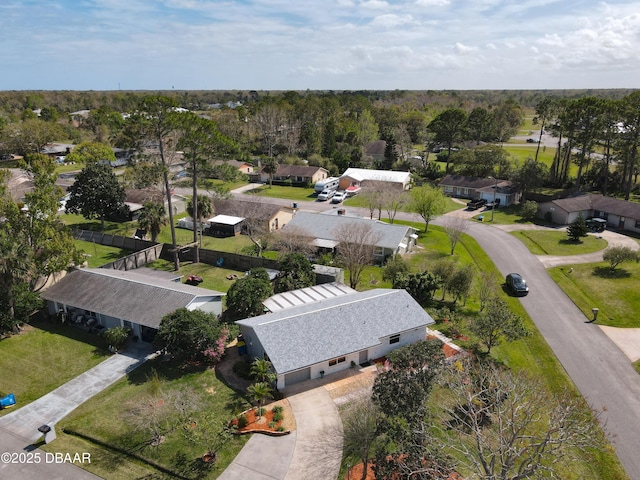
(599, 369)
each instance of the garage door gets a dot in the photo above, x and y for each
(297, 376)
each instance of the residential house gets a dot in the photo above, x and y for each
(324, 337)
(476, 188)
(242, 167)
(323, 232)
(375, 151)
(302, 296)
(618, 213)
(136, 198)
(361, 177)
(296, 174)
(265, 216)
(105, 298)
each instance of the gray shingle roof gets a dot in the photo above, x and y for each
(322, 226)
(128, 295)
(610, 205)
(470, 182)
(298, 337)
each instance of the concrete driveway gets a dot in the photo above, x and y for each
(313, 451)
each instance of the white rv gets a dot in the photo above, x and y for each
(331, 183)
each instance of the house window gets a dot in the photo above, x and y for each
(378, 251)
(637, 223)
(335, 361)
(394, 339)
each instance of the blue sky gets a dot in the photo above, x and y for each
(309, 44)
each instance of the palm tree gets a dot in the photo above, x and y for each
(270, 166)
(152, 218)
(261, 370)
(203, 209)
(259, 392)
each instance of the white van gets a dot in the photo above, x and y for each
(331, 183)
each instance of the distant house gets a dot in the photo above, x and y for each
(242, 167)
(18, 184)
(267, 216)
(301, 174)
(322, 230)
(105, 298)
(361, 177)
(618, 213)
(326, 336)
(136, 198)
(476, 188)
(57, 149)
(375, 151)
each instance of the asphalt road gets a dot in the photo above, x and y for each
(599, 369)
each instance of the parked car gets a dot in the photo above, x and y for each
(476, 204)
(596, 224)
(340, 196)
(517, 284)
(326, 195)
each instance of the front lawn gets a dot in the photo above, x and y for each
(544, 242)
(290, 193)
(615, 293)
(120, 447)
(43, 357)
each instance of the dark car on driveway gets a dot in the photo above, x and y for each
(596, 224)
(476, 204)
(516, 284)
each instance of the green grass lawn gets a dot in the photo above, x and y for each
(593, 285)
(290, 193)
(97, 255)
(125, 229)
(43, 357)
(106, 419)
(214, 278)
(360, 201)
(544, 242)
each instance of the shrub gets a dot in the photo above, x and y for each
(277, 416)
(242, 421)
(272, 424)
(260, 411)
(280, 429)
(277, 409)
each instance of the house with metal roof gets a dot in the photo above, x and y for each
(332, 334)
(617, 212)
(323, 232)
(104, 298)
(362, 176)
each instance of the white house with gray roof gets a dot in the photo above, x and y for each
(323, 337)
(134, 299)
(390, 239)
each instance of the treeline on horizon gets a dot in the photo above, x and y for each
(13, 102)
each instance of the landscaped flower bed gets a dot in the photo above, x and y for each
(270, 422)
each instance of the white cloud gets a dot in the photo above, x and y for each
(390, 20)
(461, 49)
(432, 3)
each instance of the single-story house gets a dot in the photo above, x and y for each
(327, 336)
(18, 184)
(56, 149)
(266, 216)
(225, 225)
(618, 213)
(476, 188)
(294, 173)
(361, 176)
(323, 229)
(242, 167)
(133, 299)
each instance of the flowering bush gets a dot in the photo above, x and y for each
(214, 353)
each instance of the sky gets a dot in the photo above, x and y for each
(318, 45)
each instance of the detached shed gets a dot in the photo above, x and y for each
(225, 225)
